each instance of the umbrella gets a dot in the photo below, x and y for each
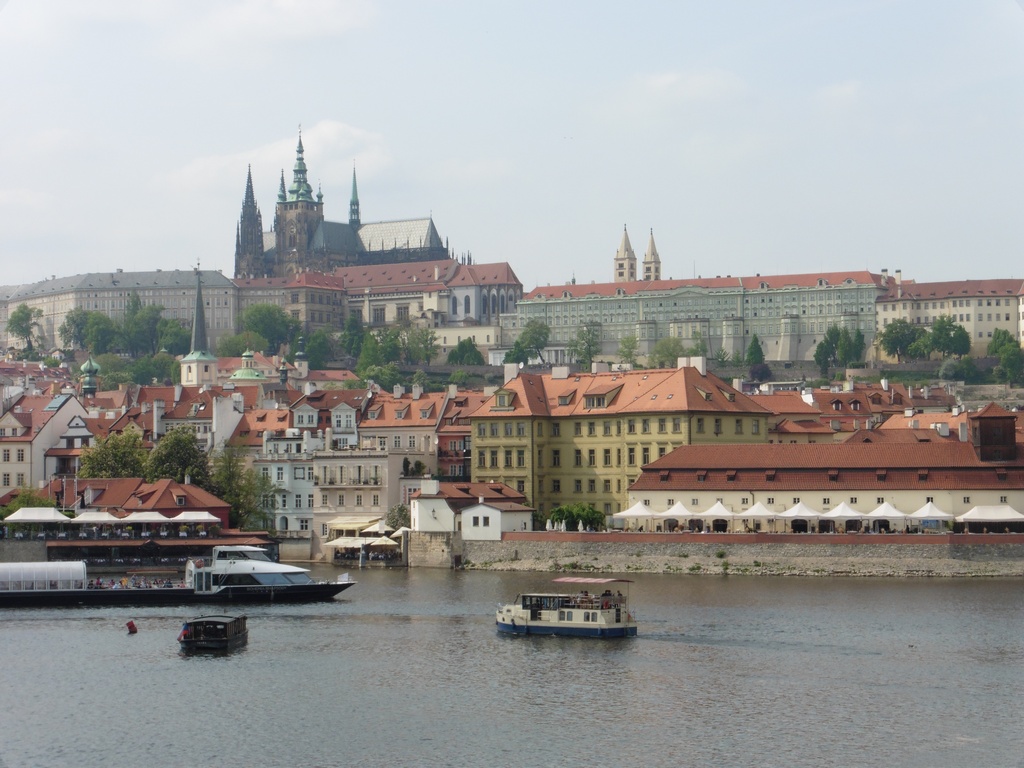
(379, 527)
(580, 527)
(398, 534)
(548, 525)
(383, 541)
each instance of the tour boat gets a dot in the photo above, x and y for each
(213, 633)
(234, 574)
(586, 613)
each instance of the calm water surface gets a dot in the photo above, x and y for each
(406, 669)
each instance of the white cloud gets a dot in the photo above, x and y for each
(841, 97)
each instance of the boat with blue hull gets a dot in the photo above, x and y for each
(598, 609)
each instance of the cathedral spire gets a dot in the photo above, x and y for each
(353, 206)
(625, 260)
(300, 188)
(282, 195)
(652, 261)
(249, 258)
(199, 343)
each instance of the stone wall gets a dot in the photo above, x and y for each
(435, 550)
(912, 555)
(22, 551)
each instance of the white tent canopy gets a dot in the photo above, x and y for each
(379, 527)
(345, 542)
(1002, 513)
(930, 512)
(193, 517)
(383, 541)
(843, 512)
(718, 512)
(800, 511)
(148, 517)
(885, 511)
(677, 511)
(95, 517)
(37, 515)
(638, 510)
(757, 512)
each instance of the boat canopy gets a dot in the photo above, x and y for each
(590, 580)
(42, 576)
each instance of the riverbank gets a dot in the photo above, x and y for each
(933, 555)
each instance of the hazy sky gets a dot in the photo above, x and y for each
(753, 137)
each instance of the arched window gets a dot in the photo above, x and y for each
(483, 305)
(455, 305)
(465, 310)
(501, 303)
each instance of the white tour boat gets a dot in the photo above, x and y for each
(600, 610)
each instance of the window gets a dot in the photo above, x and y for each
(662, 426)
(631, 426)
(376, 499)
(607, 457)
(646, 456)
(323, 500)
(508, 429)
(481, 430)
(578, 457)
(359, 499)
(739, 426)
(299, 473)
(7, 457)
(631, 456)
(645, 426)
(298, 501)
(967, 499)
(341, 499)
(591, 486)
(508, 457)
(718, 425)
(578, 486)
(607, 428)
(591, 428)
(6, 479)
(487, 521)
(494, 458)
(280, 474)
(481, 458)
(577, 428)
(556, 486)
(21, 454)
(755, 427)
(591, 459)
(700, 424)
(677, 424)
(556, 429)
(521, 486)
(520, 458)
(556, 458)
(607, 486)
(411, 442)
(520, 429)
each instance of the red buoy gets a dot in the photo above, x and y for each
(132, 629)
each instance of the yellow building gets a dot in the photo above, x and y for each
(562, 438)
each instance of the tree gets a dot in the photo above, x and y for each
(173, 336)
(370, 355)
(238, 344)
(573, 514)
(116, 455)
(100, 333)
(517, 354)
(666, 352)
(722, 355)
(459, 377)
(949, 338)
(534, 338)
(587, 344)
(898, 336)
(352, 336)
(1011, 364)
(320, 349)
(700, 347)
(138, 328)
(384, 376)
(755, 352)
(826, 354)
(273, 324)
(628, 348)
(398, 517)
(250, 494)
(23, 322)
(419, 345)
(1000, 338)
(465, 353)
(27, 497)
(760, 372)
(72, 330)
(177, 455)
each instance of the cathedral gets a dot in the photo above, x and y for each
(302, 240)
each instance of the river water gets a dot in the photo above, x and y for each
(406, 669)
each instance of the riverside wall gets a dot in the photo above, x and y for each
(952, 555)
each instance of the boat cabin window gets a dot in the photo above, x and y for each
(249, 554)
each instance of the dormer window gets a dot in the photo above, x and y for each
(179, 499)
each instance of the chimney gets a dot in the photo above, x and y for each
(398, 391)
(158, 413)
(417, 391)
(963, 434)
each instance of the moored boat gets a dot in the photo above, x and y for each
(580, 614)
(235, 574)
(213, 633)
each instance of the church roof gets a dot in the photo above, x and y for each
(409, 233)
(99, 281)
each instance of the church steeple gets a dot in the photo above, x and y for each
(249, 235)
(300, 188)
(652, 261)
(625, 260)
(353, 206)
(199, 367)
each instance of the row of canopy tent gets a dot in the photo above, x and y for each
(843, 512)
(44, 515)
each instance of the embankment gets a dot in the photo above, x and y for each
(948, 555)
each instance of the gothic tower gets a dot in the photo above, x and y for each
(353, 206)
(249, 259)
(652, 261)
(296, 221)
(625, 260)
(199, 366)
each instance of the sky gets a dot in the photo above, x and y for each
(751, 137)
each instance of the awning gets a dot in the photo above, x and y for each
(147, 516)
(95, 517)
(193, 516)
(993, 514)
(384, 541)
(37, 515)
(345, 542)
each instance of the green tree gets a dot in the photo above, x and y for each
(173, 336)
(250, 494)
(587, 344)
(465, 353)
(1000, 338)
(628, 348)
(398, 517)
(116, 455)
(321, 348)
(722, 355)
(370, 355)
(178, 454)
(700, 346)
(419, 345)
(1011, 364)
(534, 338)
(898, 336)
(826, 354)
(755, 352)
(573, 514)
(26, 497)
(72, 330)
(384, 376)
(666, 352)
(273, 324)
(391, 342)
(23, 323)
(352, 336)
(517, 353)
(949, 338)
(100, 333)
(458, 378)
(238, 344)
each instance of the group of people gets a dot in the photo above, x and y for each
(134, 582)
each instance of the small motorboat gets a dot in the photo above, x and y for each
(579, 614)
(213, 633)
